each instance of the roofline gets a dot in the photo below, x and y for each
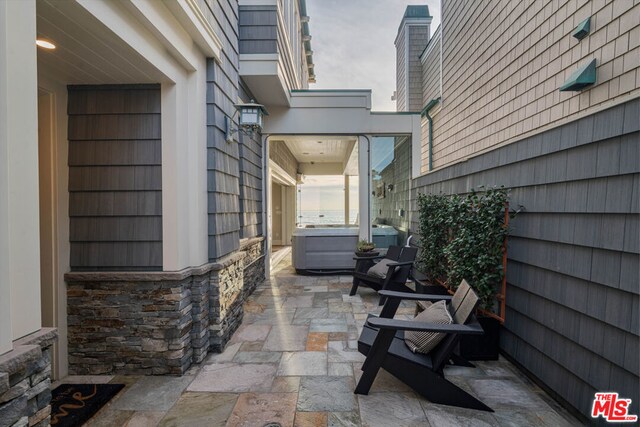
(425, 20)
(436, 32)
(308, 52)
(396, 113)
(330, 90)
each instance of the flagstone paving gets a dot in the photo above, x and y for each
(294, 362)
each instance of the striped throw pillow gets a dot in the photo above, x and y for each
(424, 342)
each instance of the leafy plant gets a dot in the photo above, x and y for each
(365, 246)
(434, 235)
(476, 249)
(462, 237)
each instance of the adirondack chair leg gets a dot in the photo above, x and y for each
(354, 288)
(385, 286)
(436, 388)
(390, 308)
(458, 360)
(374, 360)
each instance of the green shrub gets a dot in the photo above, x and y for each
(462, 237)
(434, 235)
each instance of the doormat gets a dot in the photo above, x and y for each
(73, 404)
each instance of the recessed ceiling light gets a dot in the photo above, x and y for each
(45, 44)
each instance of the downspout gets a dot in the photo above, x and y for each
(265, 205)
(425, 112)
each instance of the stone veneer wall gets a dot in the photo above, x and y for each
(25, 380)
(226, 301)
(158, 323)
(254, 271)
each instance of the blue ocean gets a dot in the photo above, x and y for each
(326, 217)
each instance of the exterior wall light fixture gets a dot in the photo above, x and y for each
(251, 119)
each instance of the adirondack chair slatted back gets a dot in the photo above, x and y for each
(402, 273)
(463, 303)
(460, 308)
(393, 253)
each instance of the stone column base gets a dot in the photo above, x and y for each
(25, 380)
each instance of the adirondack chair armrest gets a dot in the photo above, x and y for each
(414, 297)
(410, 325)
(399, 264)
(362, 258)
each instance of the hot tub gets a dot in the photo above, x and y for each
(331, 247)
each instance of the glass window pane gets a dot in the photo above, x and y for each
(390, 189)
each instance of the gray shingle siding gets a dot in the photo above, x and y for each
(115, 177)
(234, 170)
(223, 165)
(250, 179)
(574, 255)
(258, 29)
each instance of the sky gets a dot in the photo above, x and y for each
(325, 193)
(352, 43)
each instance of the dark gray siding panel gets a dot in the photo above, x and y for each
(258, 31)
(115, 177)
(250, 179)
(223, 158)
(574, 252)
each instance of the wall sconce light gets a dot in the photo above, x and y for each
(251, 118)
(390, 187)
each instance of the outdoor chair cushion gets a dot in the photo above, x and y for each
(424, 342)
(380, 269)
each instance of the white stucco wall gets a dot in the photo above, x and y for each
(19, 212)
(5, 285)
(59, 177)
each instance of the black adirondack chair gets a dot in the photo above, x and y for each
(396, 276)
(382, 342)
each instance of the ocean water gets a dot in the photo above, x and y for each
(326, 217)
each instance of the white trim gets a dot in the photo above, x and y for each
(60, 179)
(364, 186)
(406, 25)
(266, 195)
(19, 201)
(290, 59)
(441, 53)
(430, 45)
(416, 147)
(258, 2)
(407, 81)
(6, 338)
(411, 21)
(160, 22)
(290, 208)
(279, 175)
(195, 22)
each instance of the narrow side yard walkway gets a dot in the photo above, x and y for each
(294, 362)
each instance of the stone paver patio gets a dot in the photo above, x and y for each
(294, 362)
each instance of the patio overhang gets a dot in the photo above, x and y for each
(265, 76)
(342, 112)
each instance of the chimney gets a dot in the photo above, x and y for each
(413, 36)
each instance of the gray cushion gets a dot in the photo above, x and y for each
(380, 269)
(423, 342)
